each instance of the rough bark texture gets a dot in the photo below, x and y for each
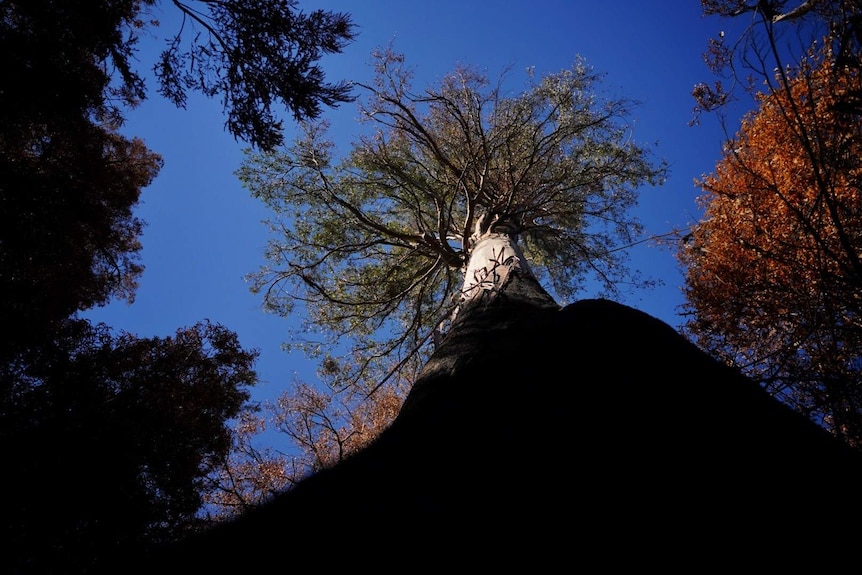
(543, 437)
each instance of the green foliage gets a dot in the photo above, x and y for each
(374, 245)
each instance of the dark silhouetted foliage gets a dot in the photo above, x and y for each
(254, 53)
(68, 180)
(107, 439)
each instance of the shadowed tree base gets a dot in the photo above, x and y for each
(563, 436)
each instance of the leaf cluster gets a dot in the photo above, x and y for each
(110, 437)
(773, 270)
(255, 53)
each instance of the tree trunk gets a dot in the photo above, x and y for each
(492, 258)
(499, 292)
(538, 433)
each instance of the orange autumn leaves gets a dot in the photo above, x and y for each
(323, 428)
(773, 273)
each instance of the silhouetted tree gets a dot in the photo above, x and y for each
(249, 474)
(69, 183)
(111, 437)
(109, 440)
(68, 237)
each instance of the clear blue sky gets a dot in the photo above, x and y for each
(204, 231)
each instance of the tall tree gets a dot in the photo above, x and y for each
(773, 269)
(453, 188)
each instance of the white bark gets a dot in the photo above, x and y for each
(492, 258)
(495, 259)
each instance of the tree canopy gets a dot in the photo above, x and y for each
(111, 438)
(374, 245)
(773, 271)
(255, 53)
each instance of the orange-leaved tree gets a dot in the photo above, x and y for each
(774, 276)
(324, 427)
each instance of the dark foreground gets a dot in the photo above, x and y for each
(589, 436)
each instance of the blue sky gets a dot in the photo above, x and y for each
(204, 232)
